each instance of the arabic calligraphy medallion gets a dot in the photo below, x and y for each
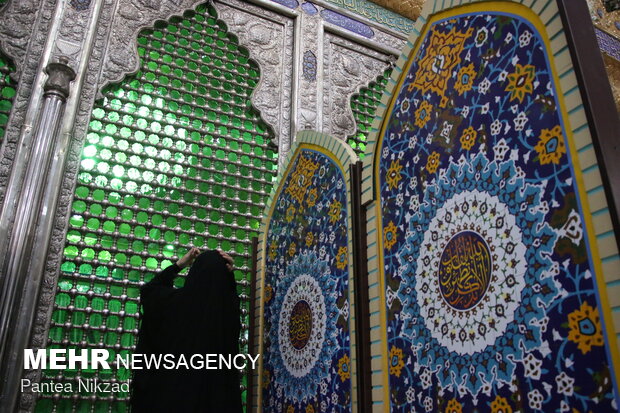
(300, 325)
(465, 270)
(469, 276)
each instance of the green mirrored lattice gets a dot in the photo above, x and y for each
(363, 105)
(174, 157)
(7, 91)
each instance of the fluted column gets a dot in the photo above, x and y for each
(27, 211)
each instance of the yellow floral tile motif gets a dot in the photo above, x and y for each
(309, 409)
(334, 211)
(311, 197)
(389, 235)
(273, 248)
(301, 178)
(465, 79)
(468, 139)
(393, 174)
(521, 82)
(454, 407)
(423, 114)
(342, 258)
(396, 361)
(290, 213)
(268, 293)
(266, 378)
(309, 239)
(550, 146)
(585, 328)
(442, 55)
(433, 162)
(343, 368)
(290, 409)
(292, 248)
(500, 405)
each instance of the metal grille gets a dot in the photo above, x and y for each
(174, 157)
(7, 91)
(363, 105)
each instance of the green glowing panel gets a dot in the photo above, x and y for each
(7, 91)
(175, 156)
(363, 105)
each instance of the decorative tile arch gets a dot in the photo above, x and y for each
(493, 262)
(305, 282)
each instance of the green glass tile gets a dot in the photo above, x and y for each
(86, 269)
(134, 275)
(151, 263)
(81, 301)
(363, 104)
(99, 288)
(120, 258)
(71, 252)
(101, 271)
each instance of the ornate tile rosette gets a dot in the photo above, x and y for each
(305, 278)
(303, 328)
(482, 279)
(480, 241)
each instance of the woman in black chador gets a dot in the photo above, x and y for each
(200, 318)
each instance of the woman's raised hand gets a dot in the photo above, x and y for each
(188, 258)
(228, 258)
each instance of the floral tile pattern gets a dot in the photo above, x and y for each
(307, 338)
(491, 302)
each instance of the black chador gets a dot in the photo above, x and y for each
(200, 318)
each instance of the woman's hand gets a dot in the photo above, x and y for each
(228, 258)
(188, 258)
